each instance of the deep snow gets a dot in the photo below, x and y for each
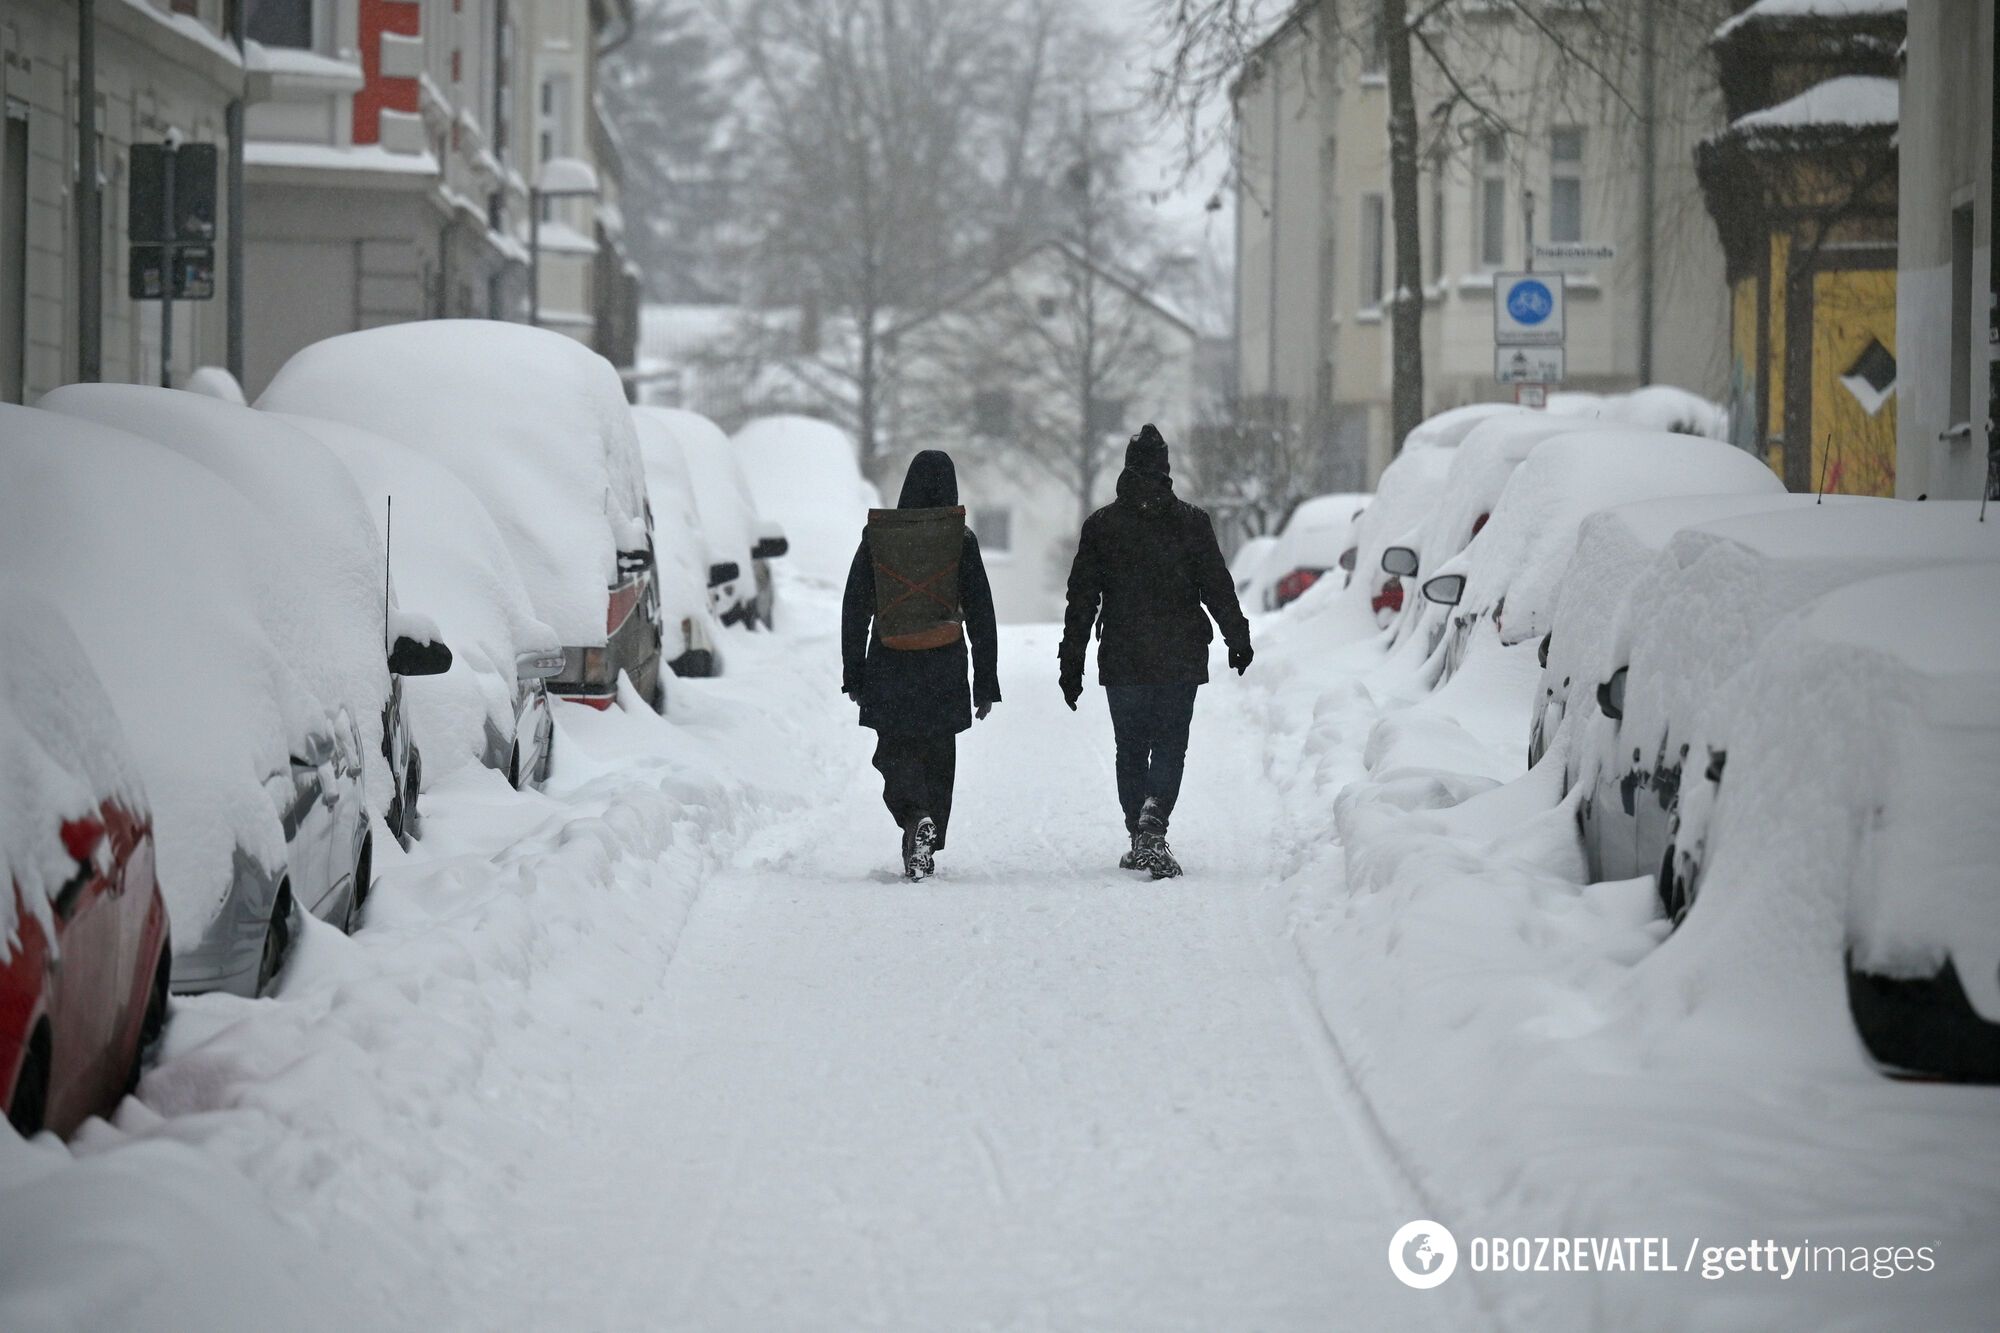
(669, 1046)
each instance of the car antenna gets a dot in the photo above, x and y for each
(388, 545)
(1825, 459)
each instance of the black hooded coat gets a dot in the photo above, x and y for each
(1146, 566)
(921, 692)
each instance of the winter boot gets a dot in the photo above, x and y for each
(1149, 843)
(918, 862)
(1135, 856)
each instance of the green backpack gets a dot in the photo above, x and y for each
(916, 554)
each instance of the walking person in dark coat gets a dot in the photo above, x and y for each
(915, 697)
(1146, 567)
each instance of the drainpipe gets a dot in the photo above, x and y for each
(89, 204)
(232, 255)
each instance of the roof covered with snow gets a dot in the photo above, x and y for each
(1852, 101)
(1796, 11)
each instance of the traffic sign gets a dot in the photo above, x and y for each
(1572, 255)
(1528, 365)
(1527, 309)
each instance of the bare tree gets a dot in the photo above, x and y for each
(1454, 71)
(1070, 331)
(891, 146)
(1257, 463)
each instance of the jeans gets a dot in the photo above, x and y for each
(917, 775)
(1150, 723)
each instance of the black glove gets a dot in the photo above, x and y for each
(1072, 689)
(852, 689)
(1239, 659)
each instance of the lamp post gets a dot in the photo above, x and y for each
(558, 178)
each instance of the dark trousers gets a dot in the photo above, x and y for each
(1151, 725)
(917, 776)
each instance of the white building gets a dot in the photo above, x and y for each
(1944, 235)
(391, 149)
(1316, 239)
(994, 378)
(159, 68)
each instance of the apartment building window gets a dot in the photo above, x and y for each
(994, 527)
(503, 79)
(1375, 51)
(279, 22)
(1490, 239)
(1374, 246)
(555, 121)
(1566, 185)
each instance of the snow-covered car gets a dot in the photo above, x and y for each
(729, 521)
(538, 427)
(1849, 839)
(1484, 459)
(1509, 575)
(84, 961)
(1690, 623)
(1404, 493)
(445, 553)
(178, 589)
(1654, 407)
(1249, 571)
(337, 619)
(1614, 549)
(686, 569)
(804, 477)
(1317, 537)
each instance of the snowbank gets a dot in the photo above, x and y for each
(449, 563)
(803, 476)
(62, 754)
(166, 574)
(532, 421)
(328, 615)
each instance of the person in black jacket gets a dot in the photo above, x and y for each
(916, 700)
(1146, 567)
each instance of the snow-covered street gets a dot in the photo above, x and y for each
(671, 1046)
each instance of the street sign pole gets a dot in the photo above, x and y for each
(168, 253)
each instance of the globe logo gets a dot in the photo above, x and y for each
(1530, 302)
(1422, 1254)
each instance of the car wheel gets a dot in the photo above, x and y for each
(153, 1026)
(277, 940)
(29, 1110)
(364, 881)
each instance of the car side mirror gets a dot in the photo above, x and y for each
(1400, 561)
(635, 561)
(1611, 695)
(770, 548)
(418, 657)
(721, 572)
(1445, 589)
(540, 664)
(1347, 559)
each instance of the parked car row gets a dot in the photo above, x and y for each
(239, 637)
(1759, 695)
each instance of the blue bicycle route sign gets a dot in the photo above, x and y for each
(1527, 309)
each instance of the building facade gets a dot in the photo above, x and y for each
(1316, 245)
(159, 69)
(1802, 185)
(1946, 307)
(388, 150)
